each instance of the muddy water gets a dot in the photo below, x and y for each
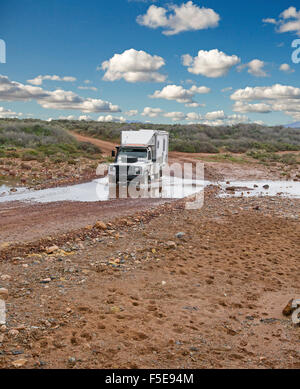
(173, 187)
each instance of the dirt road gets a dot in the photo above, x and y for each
(139, 297)
(213, 170)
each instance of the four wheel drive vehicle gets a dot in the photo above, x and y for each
(140, 157)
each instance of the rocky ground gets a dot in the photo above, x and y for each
(47, 174)
(148, 283)
(163, 288)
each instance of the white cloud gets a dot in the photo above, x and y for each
(70, 117)
(243, 107)
(176, 19)
(255, 67)
(134, 66)
(194, 105)
(270, 20)
(229, 88)
(282, 98)
(286, 68)
(194, 116)
(6, 113)
(226, 120)
(273, 92)
(110, 118)
(58, 99)
(179, 94)
(288, 21)
(93, 88)
(213, 63)
(39, 79)
(215, 115)
(152, 112)
(132, 112)
(84, 118)
(175, 116)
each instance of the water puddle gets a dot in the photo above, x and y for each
(263, 188)
(98, 190)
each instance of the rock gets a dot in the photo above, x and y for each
(180, 235)
(3, 294)
(19, 362)
(5, 277)
(101, 226)
(52, 249)
(1, 338)
(45, 281)
(13, 333)
(72, 361)
(231, 188)
(288, 310)
(170, 244)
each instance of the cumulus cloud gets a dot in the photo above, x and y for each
(110, 118)
(229, 88)
(243, 107)
(7, 113)
(213, 63)
(178, 18)
(179, 94)
(194, 105)
(255, 67)
(215, 115)
(194, 116)
(273, 92)
(93, 88)
(39, 79)
(132, 112)
(58, 99)
(175, 116)
(288, 21)
(69, 117)
(134, 66)
(152, 112)
(283, 98)
(84, 118)
(270, 20)
(285, 67)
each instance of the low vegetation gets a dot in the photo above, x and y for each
(199, 138)
(37, 140)
(40, 138)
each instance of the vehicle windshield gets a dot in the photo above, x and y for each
(131, 152)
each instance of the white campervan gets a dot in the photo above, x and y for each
(142, 154)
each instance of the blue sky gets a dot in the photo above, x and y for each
(179, 60)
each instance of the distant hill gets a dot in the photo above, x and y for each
(293, 125)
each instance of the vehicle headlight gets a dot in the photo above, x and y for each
(137, 170)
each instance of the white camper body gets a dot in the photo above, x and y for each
(142, 154)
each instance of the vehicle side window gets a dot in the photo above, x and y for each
(164, 145)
